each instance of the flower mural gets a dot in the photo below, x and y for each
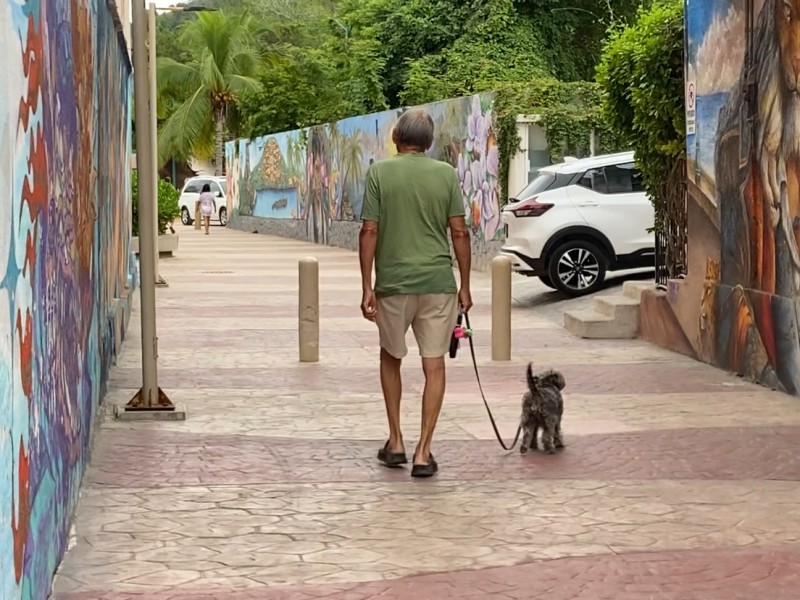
(478, 169)
(327, 165)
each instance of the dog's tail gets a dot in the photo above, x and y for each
(531, 378)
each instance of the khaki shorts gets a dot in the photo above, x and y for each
(432, 317)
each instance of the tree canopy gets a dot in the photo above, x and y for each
(331, 59)
(642, 77)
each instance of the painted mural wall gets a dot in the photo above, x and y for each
(738, 307)
(309, 183)
(65, 265)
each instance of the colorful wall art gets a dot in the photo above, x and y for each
(65, 264)
(309, 183)
(738, 306)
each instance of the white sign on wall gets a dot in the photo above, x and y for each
(691, 107)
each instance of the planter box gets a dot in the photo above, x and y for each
(167, 244)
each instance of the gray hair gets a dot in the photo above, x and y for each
(414, 128)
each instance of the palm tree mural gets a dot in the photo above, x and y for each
(351, 159)
(208, 85)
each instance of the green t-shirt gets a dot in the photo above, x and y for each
(412, 197)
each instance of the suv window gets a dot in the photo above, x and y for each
(215, 188)
(595, 180)
(544, 182)
(193, 188)
(614, 179)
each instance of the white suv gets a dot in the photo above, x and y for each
(577, 220)
(191, 194)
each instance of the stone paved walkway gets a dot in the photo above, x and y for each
(679, 481)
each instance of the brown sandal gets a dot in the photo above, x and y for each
(392, 459)
(428, 470)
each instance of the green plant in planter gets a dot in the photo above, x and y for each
(168, 209)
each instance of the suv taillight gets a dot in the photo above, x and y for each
(530, 208)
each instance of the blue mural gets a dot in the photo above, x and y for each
(317, 174)
(276, 204)
(65, 262)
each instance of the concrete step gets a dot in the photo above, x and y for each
(634, 289)
(589, 324)
(619, 307)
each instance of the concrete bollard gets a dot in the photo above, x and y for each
(308, 309)
(197, 215)
(501, 308)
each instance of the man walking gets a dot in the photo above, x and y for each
(410, 201)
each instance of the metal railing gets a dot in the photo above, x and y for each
(671, 237)
(662, 269)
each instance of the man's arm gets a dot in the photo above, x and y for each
(367, 244)
(463, 249)
(461, 241)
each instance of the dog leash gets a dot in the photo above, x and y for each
(483, 395)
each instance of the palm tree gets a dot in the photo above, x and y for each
(225, 64)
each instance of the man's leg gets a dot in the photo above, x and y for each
(433, 327)
(432, 399)
(392, 386)
(393, 322)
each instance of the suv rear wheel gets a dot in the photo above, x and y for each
(577, 268)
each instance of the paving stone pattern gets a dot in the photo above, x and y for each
(679, 481)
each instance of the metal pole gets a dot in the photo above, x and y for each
(308, 309)
(148, 396)
(501, 308)
(152, 82)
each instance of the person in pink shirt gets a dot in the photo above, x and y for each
(207, 205)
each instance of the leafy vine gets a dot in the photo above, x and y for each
(568, 111)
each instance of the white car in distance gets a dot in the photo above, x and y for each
(190, 194)
(578, 220)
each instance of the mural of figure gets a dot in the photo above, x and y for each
(758, 190)
(317, 183)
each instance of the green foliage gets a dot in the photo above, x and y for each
(368, 55)
(496, 53)
(642, 75)
(298, 91)
(224, 61)
(569, 112)
(168, 207)
(573, 31)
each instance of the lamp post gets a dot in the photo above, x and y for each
(149, 401)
